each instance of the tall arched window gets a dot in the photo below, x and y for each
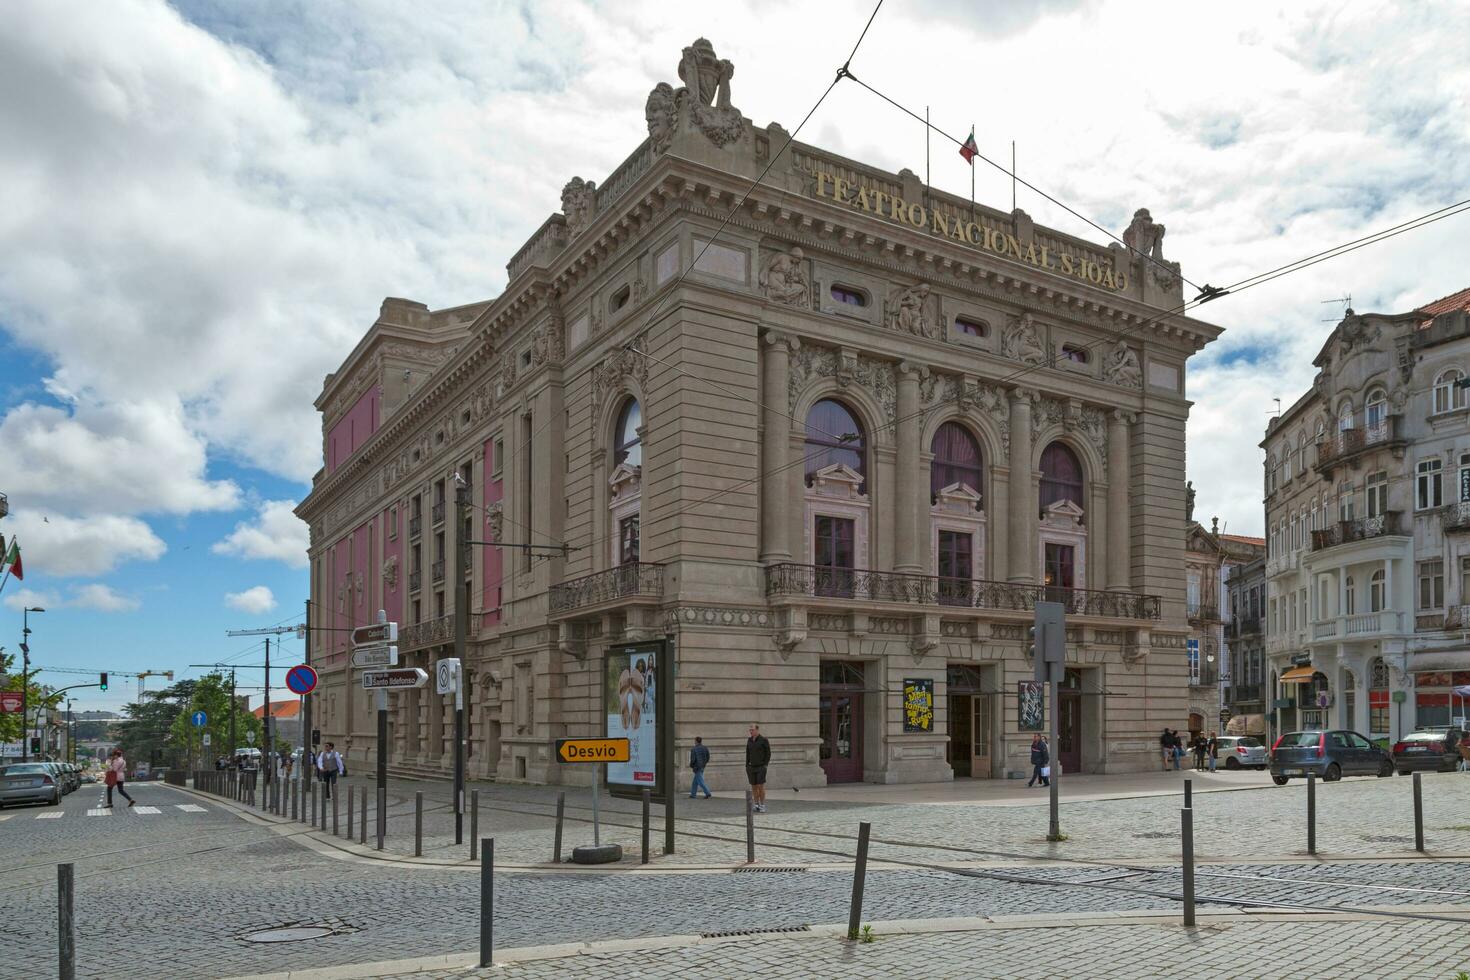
(1376, 412)
(1061, 475)
(956, 459)
(627, 444)
(1349, 597)
(834, 435)
(1446, 396)
(1375, 592)
(1345, 416)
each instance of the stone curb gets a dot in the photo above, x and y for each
(883, 929)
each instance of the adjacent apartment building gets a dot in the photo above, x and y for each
(1210, 558)
(1247, 693)
(1368, 520)
(833, 447)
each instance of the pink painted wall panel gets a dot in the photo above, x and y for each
(393, 552)
(354, 428)
(361, 607)
(492, 557)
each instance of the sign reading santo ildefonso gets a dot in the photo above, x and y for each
(954, 227)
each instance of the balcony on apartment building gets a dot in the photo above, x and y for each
(436, 570)
(435, 632)
(1363, 529)
(1455, 517)
(1359, 626)
(1202, 612)
(632, 583)
(1380, 432)
(415, 580)
(1288, 561)
(436, 513)
(1238, 629)
(1208, 675)
(416, 525)
(843, 586)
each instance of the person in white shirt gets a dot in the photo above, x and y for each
(329, 766)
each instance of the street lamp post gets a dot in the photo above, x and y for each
(25, 683)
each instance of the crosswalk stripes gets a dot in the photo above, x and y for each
(190, 807)
(51, 815)
(99, 812)
(146, 809)
(5, 816)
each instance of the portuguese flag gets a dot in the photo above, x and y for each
(969, 150)
(12, 558)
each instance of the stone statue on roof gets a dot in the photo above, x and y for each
(702, 103)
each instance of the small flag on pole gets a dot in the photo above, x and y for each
(12, 558)
(969, 150)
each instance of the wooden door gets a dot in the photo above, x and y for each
(1069, 732)
(980, 758)
(961, 734)
(840, 729)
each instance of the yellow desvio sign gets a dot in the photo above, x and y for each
(592, 749)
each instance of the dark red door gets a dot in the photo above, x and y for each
(841, 729)
(1069, 732)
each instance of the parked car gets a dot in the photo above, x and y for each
(29, 782)
(59, 773)
(74, 775)
(1240, 751)
(1329, 754)
(1427, 751)
(89, 778)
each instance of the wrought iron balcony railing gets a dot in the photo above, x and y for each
(1237, 628)
(415, 580)
(436, 513)
(433, 632)
(416, 525)
(643, 580)
(928, 590)
(436, 570)
(1456, 516)
(1364, 435)
(1344, 532)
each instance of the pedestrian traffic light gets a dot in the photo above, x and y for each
(35, 745)
(103, 685)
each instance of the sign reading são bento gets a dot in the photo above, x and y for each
(956, 228)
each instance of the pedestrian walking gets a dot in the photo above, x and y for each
(1040, 757)
(757, 758)
(1212, 751)
(698, 759)
(117, 768)
(329, 766)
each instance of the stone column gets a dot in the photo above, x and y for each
(1120, 565)
(1022, 540)
(906, 537)
(775, 437)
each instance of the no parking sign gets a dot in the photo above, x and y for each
(301, 679)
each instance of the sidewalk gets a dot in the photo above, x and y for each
(1121, 945)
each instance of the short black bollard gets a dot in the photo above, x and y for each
(382, 815)
(362, 823)
(647, 799)
(1311, 813)
(474, 824)
(561, 806)
(487, 901)
(351, 794)
(749, 829)
(1418, 815)
(859, 876)
(1188, 795)
(66, 940)
(1186, 841)
(418, 824)
(336, 832)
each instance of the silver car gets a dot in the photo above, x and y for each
(1242, 751)
(29, 782)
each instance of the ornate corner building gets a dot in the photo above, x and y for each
(1367, 495)
(834, 450)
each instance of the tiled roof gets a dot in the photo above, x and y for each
(1447, 304)
(280, 709)
(1243, 539)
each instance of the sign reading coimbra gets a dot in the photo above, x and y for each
(936, 222)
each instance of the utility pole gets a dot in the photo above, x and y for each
(306, 699)
(461, 628)
(1049, 660)
(266, 762)
(234, 709)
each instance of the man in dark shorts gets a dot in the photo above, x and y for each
(757, 757)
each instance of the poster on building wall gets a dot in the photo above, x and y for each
(631, 681)
(1031, 715)
(918, 704)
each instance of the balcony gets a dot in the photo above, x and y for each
(1281, 564)
(1359, 626)
(415, 580)
(1208, 675)
(1345, 532)
(435, 632)
(1456, 517)
(845, 585)
(436, 570)
(436, 513)
(416, 525)
(1238, 629)
(1338, 448)
(1245, 694)
(1203, 612)
(633, 580)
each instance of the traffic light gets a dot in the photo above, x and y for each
(103, 685)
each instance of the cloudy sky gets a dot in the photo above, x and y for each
(205, 202)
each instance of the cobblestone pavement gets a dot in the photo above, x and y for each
(1354, 817)
(1239, 949)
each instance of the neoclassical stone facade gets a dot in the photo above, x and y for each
(833, 450)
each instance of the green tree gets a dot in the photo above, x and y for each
(145, 736)
(211, 694)
(39, 696)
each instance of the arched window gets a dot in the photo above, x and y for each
(1061, 476)
(1350, 601)
(627, 443)
(1345, 416)
(1321, 430)
(956, 459)
(834, 435)
(1375, 592)
(1446, 396)
(1270, 474)
(1377, 410)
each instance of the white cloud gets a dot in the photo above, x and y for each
(58, 545)
(30, 599)
(102, 598)
(255, 600)
(276, 533)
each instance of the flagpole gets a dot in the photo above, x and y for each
(1013, 175)
(972, 180)
(926, 147)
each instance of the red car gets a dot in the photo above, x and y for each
(1428, 751)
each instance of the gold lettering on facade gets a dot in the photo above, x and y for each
(894, 208)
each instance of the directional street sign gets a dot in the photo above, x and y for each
(301, 679)
(446, 675)
(592, 750)
(375, 634)
(406, 677)
(198, 719)
(375, 656)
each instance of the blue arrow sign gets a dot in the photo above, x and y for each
(198, 719)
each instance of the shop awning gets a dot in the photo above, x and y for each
(1297, 675)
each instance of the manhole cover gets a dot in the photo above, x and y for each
(292, 935)
(1155, 835)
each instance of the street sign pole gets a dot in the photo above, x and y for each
(382, 741)
(461, 628)
(265, 759)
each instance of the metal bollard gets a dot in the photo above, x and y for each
(749, 829)
(647, 798)
(1418, 815)
(418, 824)
(859, 876)
(1186, 839)
(362, 822)
(295, 798)
(382, 814)
(66, 940)
(1311, 813)
(474, 824)
(336, 831)
(324, 809)
(487, 901)
(350, 796)
(561, 806)
(1188, 795)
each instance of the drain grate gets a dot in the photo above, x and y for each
(1155, 835)
(296, 932)
(769, 869)
(753, 932)
(1385, 840)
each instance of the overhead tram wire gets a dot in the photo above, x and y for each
(1208, 295)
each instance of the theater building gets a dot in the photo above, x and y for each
(834, 449)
